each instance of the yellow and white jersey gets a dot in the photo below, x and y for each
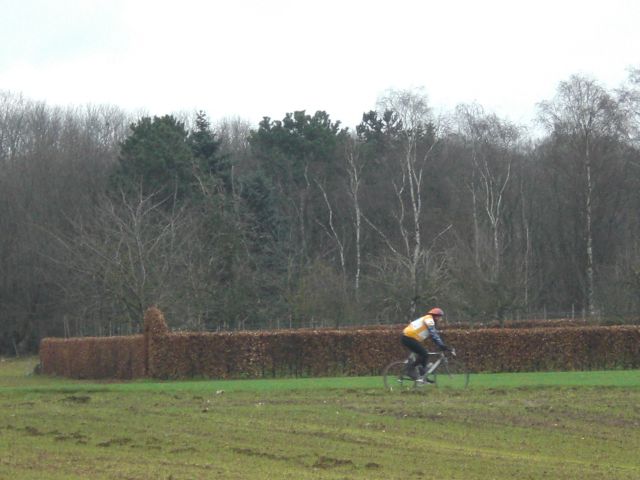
(419, 328)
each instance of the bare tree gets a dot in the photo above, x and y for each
(234, 136)
(492, 144)
(13, 110)
(123, 259)
(584, 116)
(416, 141)
(355, 163)
(352, 165)
(54, 162)
(629, 98)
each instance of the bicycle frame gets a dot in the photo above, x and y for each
(443, 371)
(441, 358)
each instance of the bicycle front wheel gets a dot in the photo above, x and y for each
(396, 378)
(453, 374)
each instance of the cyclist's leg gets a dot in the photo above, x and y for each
(428, 378)
(416, 347)
(427, 363)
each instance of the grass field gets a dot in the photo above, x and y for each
(578, 425)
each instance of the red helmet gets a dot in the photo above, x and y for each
(436, 312)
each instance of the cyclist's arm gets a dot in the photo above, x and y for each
(437, 339)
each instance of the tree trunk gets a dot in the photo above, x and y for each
(590, 276)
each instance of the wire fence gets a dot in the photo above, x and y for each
(512, 319)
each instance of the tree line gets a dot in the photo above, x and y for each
(301, 222)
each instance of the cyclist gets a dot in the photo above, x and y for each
(413, 337)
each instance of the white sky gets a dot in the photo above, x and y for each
(255, 58)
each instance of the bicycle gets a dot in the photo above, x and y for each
(443, 371)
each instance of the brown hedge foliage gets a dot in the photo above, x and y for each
(94, 357)
(154, 322)
(271, 354)
(155, 327)
(103, 357)
(366, 351)
(544, 349)
(324, 352)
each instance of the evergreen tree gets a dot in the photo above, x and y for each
(156, 158)
(206, 151)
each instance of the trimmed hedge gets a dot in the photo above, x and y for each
(547, 349)
(270, 354)
(366, 352)
(94, 357)
(123, 358)
(325, 352)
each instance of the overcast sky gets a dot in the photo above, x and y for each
(255, 58)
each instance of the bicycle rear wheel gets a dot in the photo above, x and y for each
(396, 378)
(453, 374)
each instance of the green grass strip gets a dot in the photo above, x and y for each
(613, 378)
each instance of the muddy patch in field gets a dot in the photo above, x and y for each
(77, 399)
(405, 413)
(254, 453)
(77, 437)
(183, 450)
(33, 431)
(329, 462)
(118, 442)
(153, 443)
(58, 436)
(341, 437)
